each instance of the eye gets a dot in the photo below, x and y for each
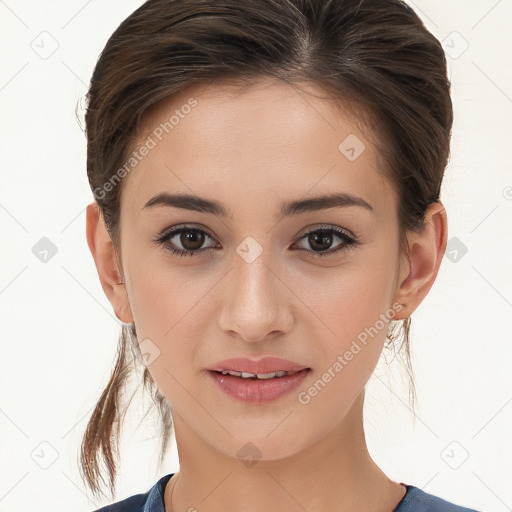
(322, 237)
(190, 239)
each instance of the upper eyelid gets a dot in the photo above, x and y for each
(172, 232)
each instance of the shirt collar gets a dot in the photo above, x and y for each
(155, 499)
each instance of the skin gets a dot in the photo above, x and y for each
(251, 150)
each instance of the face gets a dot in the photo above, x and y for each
(305, 285)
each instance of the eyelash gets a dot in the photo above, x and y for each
(165, 237)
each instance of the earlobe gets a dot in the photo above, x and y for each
(105, 259)
(427, 248)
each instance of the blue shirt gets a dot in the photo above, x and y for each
(414, 500)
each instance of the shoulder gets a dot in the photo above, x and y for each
(416, 500)
(150, 501)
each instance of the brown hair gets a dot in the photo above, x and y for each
(377, 54)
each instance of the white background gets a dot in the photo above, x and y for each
(59, 333)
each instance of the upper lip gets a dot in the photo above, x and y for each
(267, 364)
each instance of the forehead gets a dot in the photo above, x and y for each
(268, 138)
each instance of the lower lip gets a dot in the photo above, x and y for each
(257, 391)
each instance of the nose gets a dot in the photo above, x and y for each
(258, 301)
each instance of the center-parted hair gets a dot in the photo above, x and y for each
(374, 56)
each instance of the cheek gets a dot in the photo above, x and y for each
(165, 290)
(351, 328)
(168, 306)
(352, 293)
(348, 310)
(349, 336)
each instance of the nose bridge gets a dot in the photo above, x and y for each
(255, 305)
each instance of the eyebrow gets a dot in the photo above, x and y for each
(311, 204)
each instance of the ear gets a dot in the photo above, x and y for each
(426, 253)
(105, 258)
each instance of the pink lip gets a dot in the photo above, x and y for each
(264, 365)
(255, 391)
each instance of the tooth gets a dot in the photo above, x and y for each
(263, 376)
(266, 375)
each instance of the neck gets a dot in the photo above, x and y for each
(336, 472)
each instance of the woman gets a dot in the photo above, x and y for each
(267, 209)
